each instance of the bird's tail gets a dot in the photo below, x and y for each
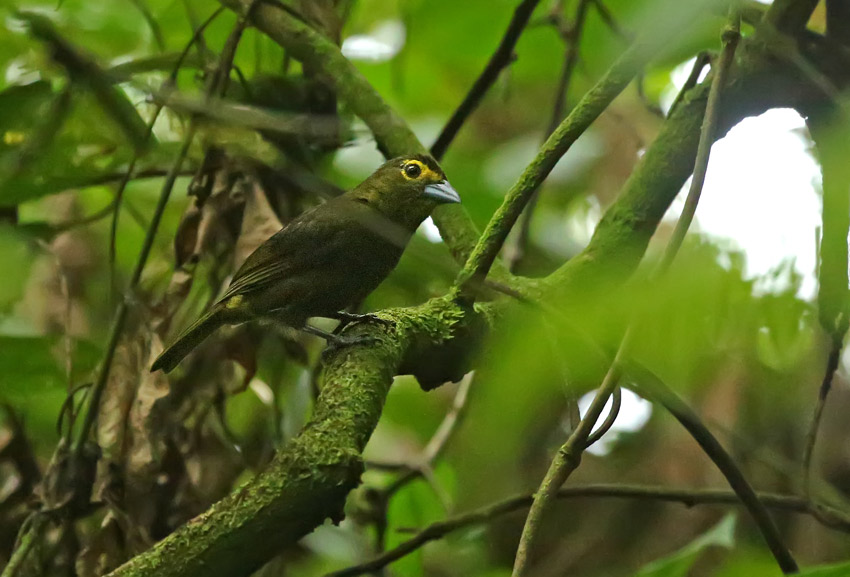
(190, 338)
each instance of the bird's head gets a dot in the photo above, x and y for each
(406, 189)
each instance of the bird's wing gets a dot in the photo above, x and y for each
(305, 243)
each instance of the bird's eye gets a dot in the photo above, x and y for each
(412, 170)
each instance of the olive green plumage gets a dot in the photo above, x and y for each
(328, 258)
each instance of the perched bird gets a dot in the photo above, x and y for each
(329, 257)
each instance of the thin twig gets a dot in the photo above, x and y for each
(609, 421)
(731, 36)
(702, 60)
(449, 424)
(837, 520)
(28, 539)
(214, 84)
(565, 462)
(580, 118)
(83, 220)
(204, 177)
(573, 41)
(439, 439)
(812, 436)
(501, 58)
(610, 21)
(665, 396)
(124, 306)
(130, 172)
(150, 20)
(152, 172)
(568, 457)
(424, 467)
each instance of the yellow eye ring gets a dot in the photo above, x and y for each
(412, 170)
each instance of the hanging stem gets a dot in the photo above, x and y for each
(568, 457)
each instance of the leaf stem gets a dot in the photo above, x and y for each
(501, 58)
(568, 457)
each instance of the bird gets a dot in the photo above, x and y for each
(328, 258)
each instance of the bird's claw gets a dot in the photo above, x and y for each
(347, 318)
(341, 341)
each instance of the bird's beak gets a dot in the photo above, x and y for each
(442, 192)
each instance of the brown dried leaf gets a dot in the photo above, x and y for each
(186, 239)
(117, 399)
(132, 429)
(147, 417)
(103, 552)
(258, 223)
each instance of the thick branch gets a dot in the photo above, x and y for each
(308, 481)
(756, 84)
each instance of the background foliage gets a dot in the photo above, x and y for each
(750, 361)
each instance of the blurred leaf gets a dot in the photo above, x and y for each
(838, 570)
(21, 106)
(69, 162)
(84, 70)
(17, 260)
(259, 223)
(156, 63)
(679, 564)
(30, 365)
(749, 561)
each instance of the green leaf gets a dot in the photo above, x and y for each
(84, 70)
(34, 365)
(20, 108)
(17, 260)
(838, 570)
(61, 165)
(28, 365)
(679, 563)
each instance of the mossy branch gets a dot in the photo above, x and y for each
(756, 84)
(309, 479)
(591, 106)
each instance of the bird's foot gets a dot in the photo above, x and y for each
(337, 342)
(346, 318)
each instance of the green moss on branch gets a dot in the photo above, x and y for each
(757, 84)
(308, 481)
